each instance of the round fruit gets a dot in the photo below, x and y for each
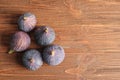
(32, 59)
(20, 41)
(44, 35)
(53, 54)
(27, 22)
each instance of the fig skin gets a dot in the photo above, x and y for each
(20, 41)
(53, 55)
(27, 22)
(44, 35)
(32, 59)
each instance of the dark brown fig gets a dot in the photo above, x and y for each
(44, 35)
(27, 22)
(32, 59)
(53, 54)
(20, 41)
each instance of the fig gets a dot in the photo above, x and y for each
(53, 55)
(27, 22)
(44, 35)
(32, 59)
(20, 41)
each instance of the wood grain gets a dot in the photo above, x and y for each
(89, 31)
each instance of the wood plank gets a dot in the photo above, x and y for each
(88, 30)
(15, 2)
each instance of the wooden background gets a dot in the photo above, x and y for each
(89, 31)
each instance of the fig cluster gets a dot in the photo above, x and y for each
(32, 59)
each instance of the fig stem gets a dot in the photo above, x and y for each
(24, 18)
(46, 30)
(32, 60)
(53, 53)
(11, 51)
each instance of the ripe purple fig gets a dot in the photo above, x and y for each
(44, 35)
(32, 59)
(27, 22)
(53, 55)
(20, 41)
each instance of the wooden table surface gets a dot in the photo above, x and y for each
(89, 31)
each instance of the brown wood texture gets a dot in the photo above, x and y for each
(89, 31)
